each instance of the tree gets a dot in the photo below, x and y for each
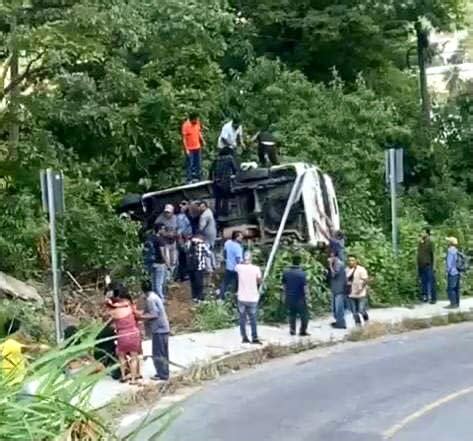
(342, 132)
(418, 15)
(113, 79)
(317, 35)
(103, 100)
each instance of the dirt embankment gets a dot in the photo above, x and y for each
(86, 306)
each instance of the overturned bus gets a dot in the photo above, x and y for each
(257, 203)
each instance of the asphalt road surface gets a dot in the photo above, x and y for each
(413, 387)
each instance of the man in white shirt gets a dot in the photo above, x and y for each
(231, 135)
(249, 278)
(357, 287)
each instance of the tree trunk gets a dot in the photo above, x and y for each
(422, 46)
(14, 130)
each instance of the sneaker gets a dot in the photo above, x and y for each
(304, 334)
(433, 302)
(245, 340)
(292, 332)
(335, 326)
(256, 341)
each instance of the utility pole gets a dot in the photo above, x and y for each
(393, 194)
(52, 189)
(422, 47)
(394, 165)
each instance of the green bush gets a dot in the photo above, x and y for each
(394, 279)
(95, 237)
(212, 315)
(91, 235)
(23, 226)
(59, 409)
(36, 320)
(273, 309)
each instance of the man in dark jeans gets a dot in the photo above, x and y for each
(294, 281)
(453, 273)
(158, 324)
(267, 148)
(425, 265)
(338, 287)
(199, 253)
(222, 171)
(233, 254)
(155, 259)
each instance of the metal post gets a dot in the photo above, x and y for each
(282, 225)
(393, 188)
(54, 256)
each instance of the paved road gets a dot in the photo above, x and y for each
(414, 387)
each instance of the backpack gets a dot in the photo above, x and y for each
(462, 262)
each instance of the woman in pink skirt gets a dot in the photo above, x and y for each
(124, 317)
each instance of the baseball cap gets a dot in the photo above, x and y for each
(452, 240)
(169, 208)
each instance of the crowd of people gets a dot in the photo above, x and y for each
(121, 338)
(347, 278)
(181, 247)
(456, 264)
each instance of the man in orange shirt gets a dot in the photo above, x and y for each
(193, 142)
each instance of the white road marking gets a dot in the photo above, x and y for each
(389, 434)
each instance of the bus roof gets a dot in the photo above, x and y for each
(298, 166)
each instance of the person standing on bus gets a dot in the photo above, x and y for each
(267, 148)
(193, 142)
(231, 135)
(223, 169)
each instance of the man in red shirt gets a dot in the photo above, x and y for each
(193, 142)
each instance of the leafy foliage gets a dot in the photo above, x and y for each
(212, 315)
(104, 85)
(51, 404)
(273, 307)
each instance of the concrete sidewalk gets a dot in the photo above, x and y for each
(189, 349)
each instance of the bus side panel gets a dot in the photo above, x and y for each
(335, 213)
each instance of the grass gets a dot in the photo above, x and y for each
(213, 315)
(58, 409)
(376, 330)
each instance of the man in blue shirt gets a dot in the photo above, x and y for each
(233, 254)
(294, 281)
(453, 275)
